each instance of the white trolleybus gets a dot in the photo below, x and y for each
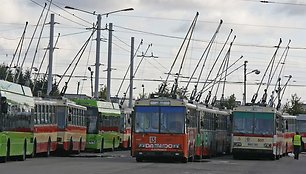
(257, 131)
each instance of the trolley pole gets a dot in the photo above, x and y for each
(131, 73)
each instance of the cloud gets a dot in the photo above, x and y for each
(253, 23)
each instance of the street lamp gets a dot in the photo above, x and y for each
(98, 40)
(91, 86)
(256, 71)
(143, 92)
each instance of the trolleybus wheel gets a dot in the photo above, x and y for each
(70, 150)
(184, 160)
(34, 149)
(48, 148)
(24, 153)
(5, 158)
(236, 156)
(80, 146)
(8, 152)
(129, 143)
(138, 159)
(102, 146)
(113, 147)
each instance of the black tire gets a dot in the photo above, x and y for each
(8, 148)
(129, 144)
(184, 160)
(138, 159)
(80, 147)
(6, 157)
(3, 159)
(70, 150)
(34, 149)
(113, 147)
(24, 154)
(191, 158)
(277, 155)
(236, 157)
(102, 146)
(48, 148)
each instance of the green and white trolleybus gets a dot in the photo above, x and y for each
(16, 108)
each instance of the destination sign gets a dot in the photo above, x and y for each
(159, 146)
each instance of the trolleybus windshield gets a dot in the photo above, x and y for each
(159, 119)
(92, 120)
(253, 123)
(301, 125)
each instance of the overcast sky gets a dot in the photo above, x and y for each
(163, 23)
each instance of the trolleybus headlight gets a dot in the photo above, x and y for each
(92, 142)
(237, 144)
(268, 145)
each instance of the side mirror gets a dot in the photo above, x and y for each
(187, 121)
(129, 120)
(4, 105)
(202, 123)
(287, 127)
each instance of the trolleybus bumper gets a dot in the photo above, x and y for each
(158, 154)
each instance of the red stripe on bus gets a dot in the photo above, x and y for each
(127, 131)
(22, 130)
(116, 129)
(288, 135)
(252, 135)
(73, 129)
(45, 128)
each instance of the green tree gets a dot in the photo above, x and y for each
(294, 106)
(229, 102)
(178, 93)
(103, 93)
(3, 71)
(25, 78)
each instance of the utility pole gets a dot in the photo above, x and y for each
(131, 73)
(97, 56)
(109, 61)
(99, 18)
(51, 48)
(78, 88)
(244, 82)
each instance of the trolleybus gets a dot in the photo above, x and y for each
(301, 128)
(16, 108)
(257, 130)
(125, 127)
(71, 127)
(289, 132)
(45, 127)
(164, 127)
(214, 132)
(102, 121)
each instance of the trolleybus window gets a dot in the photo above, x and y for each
(255, 123)
(61, 112)
(263, 123)
(301, 125)
(243, 122)
(172, 119)
(147, 119)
